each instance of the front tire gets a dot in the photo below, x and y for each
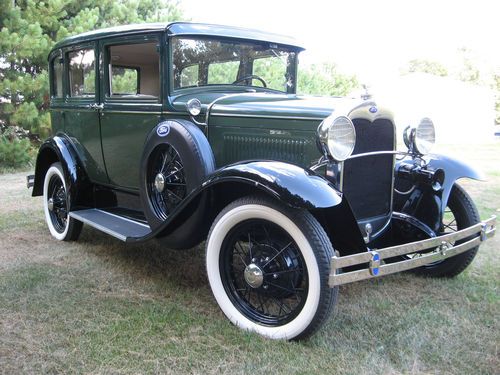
(460, 213)
(55, 205)
(268, 268)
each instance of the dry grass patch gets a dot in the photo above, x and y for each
(100, 306)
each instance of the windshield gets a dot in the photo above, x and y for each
(203, 62)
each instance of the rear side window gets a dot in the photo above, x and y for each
(82, 73)
(57, 74)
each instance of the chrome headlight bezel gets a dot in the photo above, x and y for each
(425, 136)
(337, 136)
(420, 139)
(193, 106)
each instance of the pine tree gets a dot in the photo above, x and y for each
(29, 29)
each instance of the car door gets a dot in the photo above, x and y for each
(132, 103)
(80, 111)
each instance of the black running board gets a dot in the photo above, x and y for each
(120, 227)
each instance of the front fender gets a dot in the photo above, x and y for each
(60, 149)
(454, 169)
(292, 185)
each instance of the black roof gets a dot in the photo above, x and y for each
(181, 28)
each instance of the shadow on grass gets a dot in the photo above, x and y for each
(184, 268)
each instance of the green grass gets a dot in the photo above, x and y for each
(100, 306)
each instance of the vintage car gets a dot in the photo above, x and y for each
(188, 132)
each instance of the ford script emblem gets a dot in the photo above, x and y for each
(373, 109)
(163, 130)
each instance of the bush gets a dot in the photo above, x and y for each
(16, 153)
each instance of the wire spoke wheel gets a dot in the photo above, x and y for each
(459, 213)
(57, 202)
(166, 180)
(449, 224)
(264, 272)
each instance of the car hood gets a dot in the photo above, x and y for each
(269, 105)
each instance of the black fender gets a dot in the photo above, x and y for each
(454, 170)
(59, 148)
(292, 185)
(423, 202)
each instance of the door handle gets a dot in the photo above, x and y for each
(96, 107)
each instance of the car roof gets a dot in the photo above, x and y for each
(182, 28)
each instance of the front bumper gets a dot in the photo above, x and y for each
(438, 248)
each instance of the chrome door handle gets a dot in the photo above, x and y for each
(96, 107)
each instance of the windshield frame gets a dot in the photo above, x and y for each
(290, 70)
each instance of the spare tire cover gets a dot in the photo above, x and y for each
(195, 155)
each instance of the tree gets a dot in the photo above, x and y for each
(324, 79)
(426, 66)
(469, 72)
(29, 29)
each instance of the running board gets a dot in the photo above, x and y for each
(117, 226)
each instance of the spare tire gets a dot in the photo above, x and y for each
(177, 157)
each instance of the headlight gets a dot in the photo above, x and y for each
(193, 107)
(338, 135)
(425, 136)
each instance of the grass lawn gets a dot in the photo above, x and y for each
(100, 306)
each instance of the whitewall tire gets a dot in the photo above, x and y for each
(276, 282)
(55, 205)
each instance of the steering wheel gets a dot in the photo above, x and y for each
(251, 76)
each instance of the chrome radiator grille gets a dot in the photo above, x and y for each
(367, 181)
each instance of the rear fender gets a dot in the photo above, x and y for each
(60, 149)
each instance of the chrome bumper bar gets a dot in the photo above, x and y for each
(442, 247)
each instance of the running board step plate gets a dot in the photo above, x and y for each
(117, 226)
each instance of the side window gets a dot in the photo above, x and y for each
(133, 70)
(124, 80)
(82, 73)
(57, 74)
(223, 72)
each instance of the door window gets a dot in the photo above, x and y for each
(124, 80)
(82, 73)
(133, 71)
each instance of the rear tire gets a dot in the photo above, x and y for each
(55, 205)
(460, 213)
(268, 267)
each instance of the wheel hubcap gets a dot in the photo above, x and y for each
(166, 181)
(50, 204)
(254, 275)
(159, 182)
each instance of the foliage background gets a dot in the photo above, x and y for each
(29, 29)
